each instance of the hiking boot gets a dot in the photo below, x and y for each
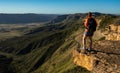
(83, 50)
(89, 49)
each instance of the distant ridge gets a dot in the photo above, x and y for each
(38, 18)
(25, 18)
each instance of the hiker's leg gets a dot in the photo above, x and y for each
(90, 44)
(84, 41)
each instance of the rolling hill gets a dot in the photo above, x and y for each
(48, 49)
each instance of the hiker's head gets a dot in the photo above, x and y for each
(89, 14)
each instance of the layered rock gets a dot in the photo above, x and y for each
(113, 32)
(84, 60)
(104, 59)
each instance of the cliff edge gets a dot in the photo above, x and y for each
(104, 59)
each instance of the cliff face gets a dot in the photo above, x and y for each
(113, 32)
(106, 55)
(84, 60)
(104, 59)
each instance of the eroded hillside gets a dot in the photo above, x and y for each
(47, 49)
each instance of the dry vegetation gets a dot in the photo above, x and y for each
(16, 30)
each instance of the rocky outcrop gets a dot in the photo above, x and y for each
(113, 32)
(84, 60)
(104, 59)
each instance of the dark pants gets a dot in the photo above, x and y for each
(89, 33)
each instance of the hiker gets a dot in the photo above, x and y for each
(90, 27)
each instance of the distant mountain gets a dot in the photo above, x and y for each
(25, 18)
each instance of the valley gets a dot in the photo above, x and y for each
(16, 30)
(48, 47)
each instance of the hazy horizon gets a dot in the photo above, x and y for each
(59, 14)
(59, 6)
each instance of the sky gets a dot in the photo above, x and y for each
(59, 6)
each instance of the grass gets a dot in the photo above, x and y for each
(8, 35)
(106, 20)
(48, 49)
(61, 61)
(49, 52)
(32, 51)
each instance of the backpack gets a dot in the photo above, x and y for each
(92, 25)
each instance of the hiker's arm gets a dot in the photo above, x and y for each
(86, 23)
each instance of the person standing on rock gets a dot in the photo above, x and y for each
(90, 27)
